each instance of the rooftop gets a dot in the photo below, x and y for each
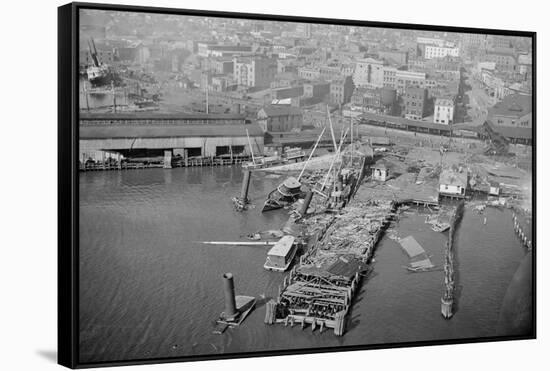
(159, 116)
(281, 110)
(451, 177)
(282, 247)
(514, 105)
(164, 131)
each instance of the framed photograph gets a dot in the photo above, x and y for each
(240, 185)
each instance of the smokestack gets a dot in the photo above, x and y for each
(306, 203)
(230, 311)
(245, 185)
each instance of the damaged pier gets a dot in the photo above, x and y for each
(320, 290)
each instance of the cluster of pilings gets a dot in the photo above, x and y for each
(520, 230)
(447, 300)
(310, 300)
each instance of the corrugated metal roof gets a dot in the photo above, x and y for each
(159, 116)
(164, 131)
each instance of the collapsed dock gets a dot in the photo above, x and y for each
(319, 291)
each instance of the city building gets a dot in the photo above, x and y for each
(406, 79)
(287, 92)
(368, 99)
(253, 71)
(430, 41)
(280, 118)
(398, 57)
(309, 73)
(514, 110)
(505, 61)
(444, 111)
(414, 103)
(316, 89)
(330, 71)
(341, 90)
(369, 73)
(434, 51)
(214, 50)
(218, 65)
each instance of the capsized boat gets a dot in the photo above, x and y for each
(285, 194)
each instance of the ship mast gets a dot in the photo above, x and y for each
(311, 154)
(251, 149)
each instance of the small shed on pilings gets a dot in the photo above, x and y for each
(494, 188)
(382, 170)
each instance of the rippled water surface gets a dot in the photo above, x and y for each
(148, 289)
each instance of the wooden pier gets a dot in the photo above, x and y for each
(447, 300)
(190, 162)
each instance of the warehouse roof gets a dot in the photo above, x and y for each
(159, 116)
(514, 105)
(280, 110)
(165, 131)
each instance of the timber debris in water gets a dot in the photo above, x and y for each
(419, 260)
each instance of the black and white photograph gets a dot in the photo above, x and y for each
(253, 186)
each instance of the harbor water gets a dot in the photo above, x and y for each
(149, 289)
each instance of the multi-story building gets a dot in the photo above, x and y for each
(444, 111)
(253, 71)
(330, 72)
(316, 89)
(218, 65)
(473, 44)
(287, 92)
(406, 79)
(514, 110)
(414, 103)
(505, 61)
(214, 50)
(389, 77)
(430, 41)
(398, 57)
(280, 118)
(309, 73)
(368, 99)
(434, 51)
(341, 90)
(369, 72)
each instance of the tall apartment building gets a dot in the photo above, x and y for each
(415, 103)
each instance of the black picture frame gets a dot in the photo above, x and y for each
(68, 192)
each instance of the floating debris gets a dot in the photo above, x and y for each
(420, 261)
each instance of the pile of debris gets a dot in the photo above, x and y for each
(353, 232)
